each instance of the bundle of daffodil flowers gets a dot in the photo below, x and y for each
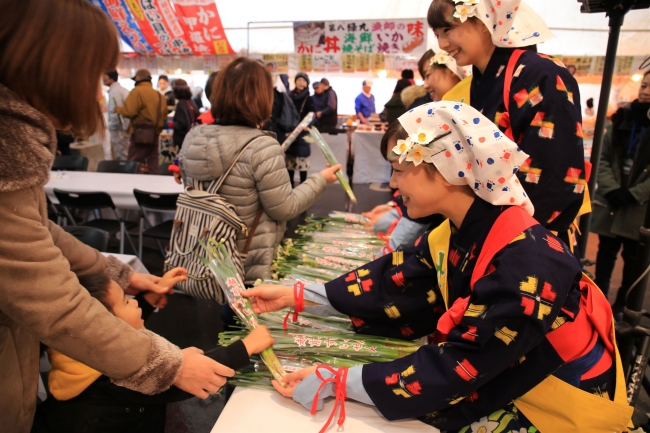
(326, 249)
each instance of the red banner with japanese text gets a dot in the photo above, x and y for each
(160, 27)
(202, 24)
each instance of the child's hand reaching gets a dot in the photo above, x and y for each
(258, 340)
(172, 277)
(167, 281)
(156, 299)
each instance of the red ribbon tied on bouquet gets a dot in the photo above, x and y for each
(299, 297)
(339, 381)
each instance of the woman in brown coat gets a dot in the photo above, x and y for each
(49, 80)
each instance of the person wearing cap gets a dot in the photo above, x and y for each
(144, 104)
(297, 155)
(117, 125)
(364, 104)
(539, 109)
(326, 106)
(521, 338)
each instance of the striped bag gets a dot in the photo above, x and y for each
(204, 214)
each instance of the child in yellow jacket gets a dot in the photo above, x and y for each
(84, 400)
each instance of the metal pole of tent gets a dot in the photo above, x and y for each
(615, 22)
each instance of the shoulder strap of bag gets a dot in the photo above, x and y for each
(225, 175)
(251, 231)
(302, 107)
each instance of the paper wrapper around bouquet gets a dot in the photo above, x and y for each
(473, 151)
(231, 283)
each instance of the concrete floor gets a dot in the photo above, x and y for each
(194, 322)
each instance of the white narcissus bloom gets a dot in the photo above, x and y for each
(484, 426)
(464, 11)
(423, 136)
(441, 57)
(402, 147)
(419, 154)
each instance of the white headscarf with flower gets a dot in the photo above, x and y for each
(467, 149)
(512, 23)
(443, 58)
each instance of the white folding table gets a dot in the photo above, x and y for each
(118, 185)
(339, 145)
(259, 410)
(369, 165)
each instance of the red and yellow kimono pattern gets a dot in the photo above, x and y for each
(544, 114)
(499, 341)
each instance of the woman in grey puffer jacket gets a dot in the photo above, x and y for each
(241, 100)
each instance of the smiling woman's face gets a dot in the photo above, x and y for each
(421, 187)
(469, 43)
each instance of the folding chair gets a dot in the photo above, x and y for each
(70, 163)
(154, 202)
(127, 167)
(91, 236)
(95, 201)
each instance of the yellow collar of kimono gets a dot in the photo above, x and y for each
(439, 248)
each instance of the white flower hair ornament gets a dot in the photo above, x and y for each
(465, 9)
(467, 149)
(443, 58)
(402, 148)
(419, 154)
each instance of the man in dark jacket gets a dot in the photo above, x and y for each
(326, 104)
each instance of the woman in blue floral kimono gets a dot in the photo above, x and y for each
(524, 342)
(533, 99)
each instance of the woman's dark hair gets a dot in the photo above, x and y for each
(423, 63)
(181, 89)
(43, 62)
(646, 73)
(163, 77)
(401, 85)
(243, 91)
(395, 131)
(590, 103)
(439, 13)
(98, 286)
(209, 84)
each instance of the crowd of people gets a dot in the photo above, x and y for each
(481, 258)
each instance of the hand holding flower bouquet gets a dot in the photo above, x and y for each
(331, 160)
(231, 283)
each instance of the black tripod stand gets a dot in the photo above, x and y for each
(633, 338)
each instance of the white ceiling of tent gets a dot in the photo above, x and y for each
(577, 34)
